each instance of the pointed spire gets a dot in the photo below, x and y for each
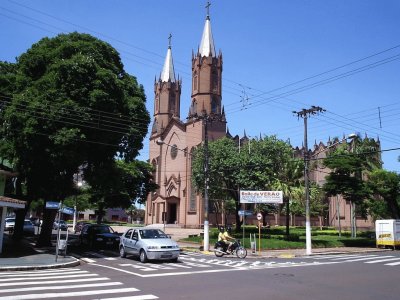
(168, 72)
(207, 47)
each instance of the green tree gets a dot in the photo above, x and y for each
(385, 194)
(256, 167)
(288, 180)
(72, 106)
(347, 165)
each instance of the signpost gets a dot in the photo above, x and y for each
(259, 217)
(254, 197)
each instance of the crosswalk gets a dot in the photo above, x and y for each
(194, 263)
(64, 283)
(387, 260)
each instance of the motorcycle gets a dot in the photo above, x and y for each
(221, 249)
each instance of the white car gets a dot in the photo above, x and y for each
(10, 223)
(148, 244)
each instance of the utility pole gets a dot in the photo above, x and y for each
(206, 118)
(206, 179)
(305, 113)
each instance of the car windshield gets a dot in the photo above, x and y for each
(102, 229)
(152, 234)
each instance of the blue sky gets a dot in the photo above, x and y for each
(279, 57)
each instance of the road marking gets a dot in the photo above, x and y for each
(393, 264)
(361, 259)
(88, 260)
(79, 280)
(382, 260)
(60, 287)
(26, 275)
(43, 271)
(352, 256)
(142, 297)
(181, 265)
(49, 277)
(69, 294)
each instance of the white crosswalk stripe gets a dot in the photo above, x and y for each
(63, 283)
(387, 260)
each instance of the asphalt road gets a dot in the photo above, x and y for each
(103, 275)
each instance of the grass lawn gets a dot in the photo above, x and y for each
(275, 238)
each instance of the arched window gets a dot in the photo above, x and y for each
(193, 192)
(194, 106)
(214, 106)
(195, 77)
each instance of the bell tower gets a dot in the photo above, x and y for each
(167, 93)
(206, 76)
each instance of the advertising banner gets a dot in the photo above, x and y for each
(261, 197)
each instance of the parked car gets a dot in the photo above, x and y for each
(10, 223)
(148, 244)
(99, 236)
(60, 224)
(28, 228)
(79, 225)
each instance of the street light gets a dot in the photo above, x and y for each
(79, 184)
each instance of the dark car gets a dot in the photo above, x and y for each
(60, 224)
(79, 225)
(98, 236)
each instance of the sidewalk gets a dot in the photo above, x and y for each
(23, 255)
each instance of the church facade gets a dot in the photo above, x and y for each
(173, 141)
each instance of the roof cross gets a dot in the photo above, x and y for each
(208, 8)
(169, 40)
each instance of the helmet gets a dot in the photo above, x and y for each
(221, 228)
(229, 229)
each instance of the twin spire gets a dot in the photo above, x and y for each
(168, 72)
(207, 48)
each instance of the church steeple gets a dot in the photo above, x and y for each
(207, 47)
(167, 91)
(168, 72)
(206, 75)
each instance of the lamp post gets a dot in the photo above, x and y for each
(78, 184)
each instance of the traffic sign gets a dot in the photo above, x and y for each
(245, 213)
(67, 210)
(259, 216)
(52, 205)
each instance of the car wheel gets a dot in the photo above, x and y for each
(174, 260)
(122, 252)
(143, 256)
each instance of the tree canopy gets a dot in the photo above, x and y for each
(259, 165)
(68, 104)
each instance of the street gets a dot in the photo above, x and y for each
(104, 275)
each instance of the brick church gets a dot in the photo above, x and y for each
(172, 141)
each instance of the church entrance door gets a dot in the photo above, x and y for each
(172, 214)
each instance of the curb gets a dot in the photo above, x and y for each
(41, 267)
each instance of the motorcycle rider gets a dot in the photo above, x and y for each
(225, 238)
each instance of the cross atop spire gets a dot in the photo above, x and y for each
(169, 41)
(208, 9)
